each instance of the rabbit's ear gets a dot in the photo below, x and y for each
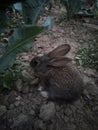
(60, 51)
(59, 61)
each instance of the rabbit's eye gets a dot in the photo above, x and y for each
(34, 63)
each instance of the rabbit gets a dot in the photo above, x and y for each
(60, 80)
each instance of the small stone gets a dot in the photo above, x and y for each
(18, 98)
(89, 72)
(2, 34)
(86, 20)
(96, 82)
(19, 120)
(25, 89)
(2, 109)
(66, 118)
(22, 103)
(5, 40)
(39, 125)
(47, 111)
(68, 111)
(25, 74)
(25, 57)
(32, 112)
(23, 54)
(35, 81)
(77, 104)
(17, 103)
(81, 41)
(11, 106)
(19, 85)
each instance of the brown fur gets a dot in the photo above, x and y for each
(59, 77)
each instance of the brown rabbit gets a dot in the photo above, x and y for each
(59, 79)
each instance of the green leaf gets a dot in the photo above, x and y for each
(95, 8)
(22, 39)
(3, 21)
(32, 9)
(8, 79)
(72, 6)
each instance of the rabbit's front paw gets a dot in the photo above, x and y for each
(42, 92)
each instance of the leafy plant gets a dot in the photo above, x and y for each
(95, 8)
(74, 7)
(4, 4)
(32, 9)
(23, 37)
(21, 40)
(88, 56)
(7, 79)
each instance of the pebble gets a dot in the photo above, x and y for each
(18, 98)
(19, 84)
(11, 106)
(47, 111)
(22, 118)
(3, 109)
(25, 89)
(34, 81)
(5, 40)
(32, 112)
(25, 74)
(17, 103)
(39, 125)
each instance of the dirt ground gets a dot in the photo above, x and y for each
(26, 109)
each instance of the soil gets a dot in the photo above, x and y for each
(26, 109)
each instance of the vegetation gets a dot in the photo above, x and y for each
(76, 7)
(88, 56)
(23, 36)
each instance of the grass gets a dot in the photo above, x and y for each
(87, 56)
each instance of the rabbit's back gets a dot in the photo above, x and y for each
(65, 82)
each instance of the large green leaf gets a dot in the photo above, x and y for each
(78, 7)
(32, 9)
(21, 40)
(95, 8)
(73, 7)
(3, 21)
(8, 79)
